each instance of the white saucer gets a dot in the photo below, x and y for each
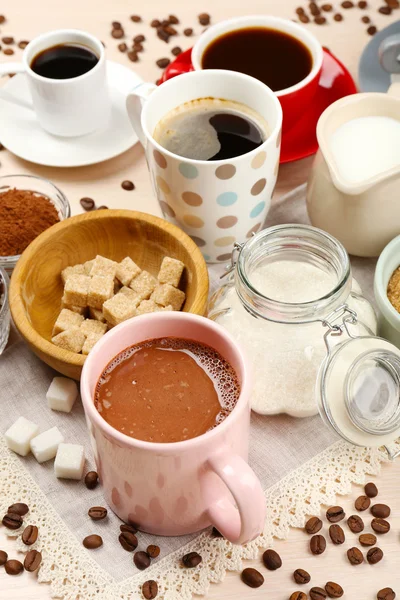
(22, 135)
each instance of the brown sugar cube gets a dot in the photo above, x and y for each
(97, 315)
(166, 294)
(133, 297)
(90, 341)
(93, 326)
(144, 284)
(127, 270)
(76, 290)
(118, 309)
(147, 306)
(75, 270)
(100, 290)
(88, 265)
(72, 339)
(170, 271)
(81, 310)
(67, 319)
(103, 266)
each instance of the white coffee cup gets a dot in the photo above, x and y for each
(216, 202)
(65, 107)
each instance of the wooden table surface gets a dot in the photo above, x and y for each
(346, 39)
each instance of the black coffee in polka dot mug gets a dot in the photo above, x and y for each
(217, 188)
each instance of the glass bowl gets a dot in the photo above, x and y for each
(42, 187)
(4, 310)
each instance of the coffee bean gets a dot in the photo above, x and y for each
(313, 525)
(133, 56)
(170, 30)
(204, 19)
(334, 590)
(338, 17)
(124, 528)
(173, 19)
(372, 30)
(365, 19)
(3, 557)
(102, 207)
(141, 560)
(252, 577)
(30, 535)
(382, 511)
(327, 7)
(300, 11)
(393, 3)
(91, 478)
(128, 541)
(362, 503)
(176, 50)
(374, 555)
(87, 203)
(304, 19)
(371, 490)
(367, 539)
(155, 23)
(386, 594)
(137, 47)
(380, 525)
(188, 31)
(91, 542)
(19, 508)
(362, 4)
(272, 561)
(320, 20)
(355, 523)
(355, 556)
(385, 10)
(122, 47)
(300, 576)
(13, 567)
(8, 40)
(150, 589)
(12, 521)
(136, 18)
(298, 596)
(8, 51)
(138, 39)
(314, 9)
(317, 593)
(117, 33)
(128, 185)
(191, 560)
(317, 544)
(116, 25)
(336, 534)
(162, 34)
(2, 19)
(335, 514)
(162, 62)
(153, 551)
(22, 44)
(97, 513)
(32, 561)
(347, 4)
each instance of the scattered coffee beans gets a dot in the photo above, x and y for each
(122, 47)
(173, 19)
(335, 514)
(313, 525)
(385, 10)
(91, 542)
(362, 4)
(317, 593)
(30, 535)
(13, 567)
(117, 33)
(128, 528)
(327, 7)
(204, 19)
(32, 561)
(97, 513)
(317, 544)
(153, 551)
(91, 480)
(191, 560)
(136, 18)
(320, 20)
(102, 207)
(8, 51)
(355, 523)
(372, 30)
(155, 23)
(133, 56)
(374, 555)
(334, 590)
(336, 534)
(362, 503)
(188, 31)
(12, 520)
(367, 539)
(128, 541)
(3, 557)
(355, 556)
(252, 577)
(304, 19)
(380, 525)
(371, 490)
(302, 577)
(8, 40)
(2, 19)
(338, 17)
(19, 508)
(128, 185)
(116, 25)
(298, 596)
(176, 50)
(87, 203)
(347, 4)
(162, 62)
(382, 511)
(141, 560)
(150, 589)
(272, 560)
(138, 39)
(386, 594)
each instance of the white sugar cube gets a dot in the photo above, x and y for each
(45, 445)
(69, 461)
(62, 394)
(19, 435)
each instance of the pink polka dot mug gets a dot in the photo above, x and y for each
(217, 202)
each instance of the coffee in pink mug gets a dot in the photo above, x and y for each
(181, 487)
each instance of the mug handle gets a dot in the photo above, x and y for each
(388, 52)
(7, 69)
(134, 105)
(245, 521)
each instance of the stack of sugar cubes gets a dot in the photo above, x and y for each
(24, 437)
(108, 293)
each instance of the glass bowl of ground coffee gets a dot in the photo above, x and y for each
(4, 310)
(28, 206)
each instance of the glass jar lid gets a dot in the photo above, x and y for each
(358, 391)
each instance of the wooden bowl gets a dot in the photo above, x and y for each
(36, 287)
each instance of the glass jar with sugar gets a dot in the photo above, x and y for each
(291, 301)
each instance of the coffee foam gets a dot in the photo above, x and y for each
(186, 129)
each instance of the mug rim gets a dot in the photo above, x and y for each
(95, 41)
(167, 447)
(222, 73)
(279, 23)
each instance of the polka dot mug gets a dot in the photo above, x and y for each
(216, 202)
